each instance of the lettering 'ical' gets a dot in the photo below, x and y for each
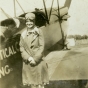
(7, 52)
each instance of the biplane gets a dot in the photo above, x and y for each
(48, 19)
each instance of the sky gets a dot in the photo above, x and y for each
(78, 22)
(27, 5)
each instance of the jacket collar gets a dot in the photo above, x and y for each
(25, 32)
(34, 31)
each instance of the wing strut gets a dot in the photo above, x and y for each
(60, 22)
(14, 8)
(51, 10)
(5, 13)
(20, 6)
(46, 12)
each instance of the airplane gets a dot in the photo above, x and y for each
(49, 20)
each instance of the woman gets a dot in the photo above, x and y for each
(34, 72)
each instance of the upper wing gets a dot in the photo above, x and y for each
(67, 3)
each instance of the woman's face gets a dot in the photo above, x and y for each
(30, 23)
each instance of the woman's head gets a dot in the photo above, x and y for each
(30, 20)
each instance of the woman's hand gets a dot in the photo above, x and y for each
(31, 61)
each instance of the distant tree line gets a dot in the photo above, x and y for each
(78, 37)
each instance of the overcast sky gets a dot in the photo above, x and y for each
(78, 22)
(27, 5)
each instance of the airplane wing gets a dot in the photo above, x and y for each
(10, 58)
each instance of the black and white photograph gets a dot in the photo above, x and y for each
(43, 44)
